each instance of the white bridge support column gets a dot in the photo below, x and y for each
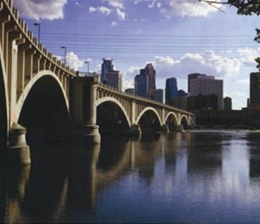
(135, 128)
(164, 127)
(179, 128)
(19, 151)
(83, 111)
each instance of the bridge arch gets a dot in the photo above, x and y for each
(171, 120)
(111, 115)
(185, 121)
(43, 108)
(149, 120)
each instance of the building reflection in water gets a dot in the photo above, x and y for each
(64, 183)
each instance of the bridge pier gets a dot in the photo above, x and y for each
(165, 128)
(180, 128)
(135, 130)
(83, 111)
(18, 151)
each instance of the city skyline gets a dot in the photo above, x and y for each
(177, 37)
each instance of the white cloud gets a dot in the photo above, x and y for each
(207, 62)
(248, 55)
(244, 81)
(73, 61)
(189, 8)
(41, 9)
(113, 6)
(120, 14)
(102, 9)
(116, 3)
(114, 23)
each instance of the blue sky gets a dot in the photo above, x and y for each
(178, 37)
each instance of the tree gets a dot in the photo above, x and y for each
(244, 7)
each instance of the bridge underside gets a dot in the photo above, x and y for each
(3, 115)
(171, 123)
(149, 123)
(111, 119)
(44, 113)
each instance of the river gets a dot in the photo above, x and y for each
(201, 176)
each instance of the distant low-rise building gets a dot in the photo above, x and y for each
(227, 103)
(157, 95)
(130, 90)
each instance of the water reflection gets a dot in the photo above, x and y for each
(181, 177)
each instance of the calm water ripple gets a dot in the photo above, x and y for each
(193, 177)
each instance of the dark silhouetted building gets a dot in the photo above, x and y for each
(114, 79)
(171, 90)
(202, 102)
(141, 84)
(130, 90)
(151, 73)
(254, 89)
(157, 95)
(227, 103)
(106, 66)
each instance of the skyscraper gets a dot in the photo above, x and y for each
(171, 90)
(141, 84)
(114, 79)
(255, 89)
(106, 66)
(191, 77)
(150, 72)
(207, 85)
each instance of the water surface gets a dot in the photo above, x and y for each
(193, 177)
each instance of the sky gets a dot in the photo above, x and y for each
(178, 37)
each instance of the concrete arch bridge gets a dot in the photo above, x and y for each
(103, 108)
(43, 98)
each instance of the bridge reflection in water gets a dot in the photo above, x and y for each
(64, 179)
(148, 178)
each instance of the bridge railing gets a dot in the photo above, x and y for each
(140, 98)
(23, 28)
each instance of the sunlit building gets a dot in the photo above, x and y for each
(205, 86)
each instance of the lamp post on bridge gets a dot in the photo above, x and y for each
(65, 53)
(39, 30)
(87, 62)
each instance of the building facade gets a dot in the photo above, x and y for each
(151, 73)
(106, 66)
(227, 103)
(141, 84)
(254, 90)
(171, 90)
(207, 85)
(114, 79)
(157, 95)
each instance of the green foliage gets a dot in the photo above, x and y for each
(244, 7)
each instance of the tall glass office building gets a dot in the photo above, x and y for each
(171, 90)
(106, 66)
